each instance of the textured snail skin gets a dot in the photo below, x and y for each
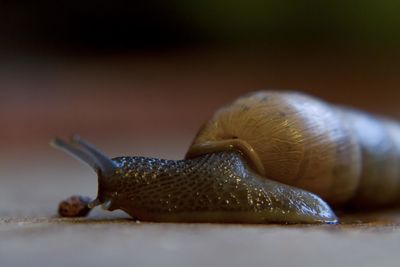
(218, 187)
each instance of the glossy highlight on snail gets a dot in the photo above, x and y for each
(269, 157)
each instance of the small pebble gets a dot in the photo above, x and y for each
(74, 206)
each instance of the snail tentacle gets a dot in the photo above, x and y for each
(76, 153)
(107, 166)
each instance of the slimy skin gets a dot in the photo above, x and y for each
(217, 187)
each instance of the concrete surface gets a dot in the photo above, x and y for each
(54, 242)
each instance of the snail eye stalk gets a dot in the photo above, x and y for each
(86, 153)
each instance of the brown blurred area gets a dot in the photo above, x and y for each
(141, 78)
(135, 104)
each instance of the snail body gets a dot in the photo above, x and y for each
(268, 157)
(216, 187)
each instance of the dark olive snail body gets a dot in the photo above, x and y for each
(248, 163)
(216, 187)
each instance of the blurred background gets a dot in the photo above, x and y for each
(140, 77)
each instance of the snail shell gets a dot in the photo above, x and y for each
(342, 155)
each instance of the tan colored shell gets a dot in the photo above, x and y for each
(343, 156)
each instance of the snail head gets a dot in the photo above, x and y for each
(106, 168)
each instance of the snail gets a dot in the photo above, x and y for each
(269, 157)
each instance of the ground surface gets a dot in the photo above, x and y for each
(154, 108)
(122, 242)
